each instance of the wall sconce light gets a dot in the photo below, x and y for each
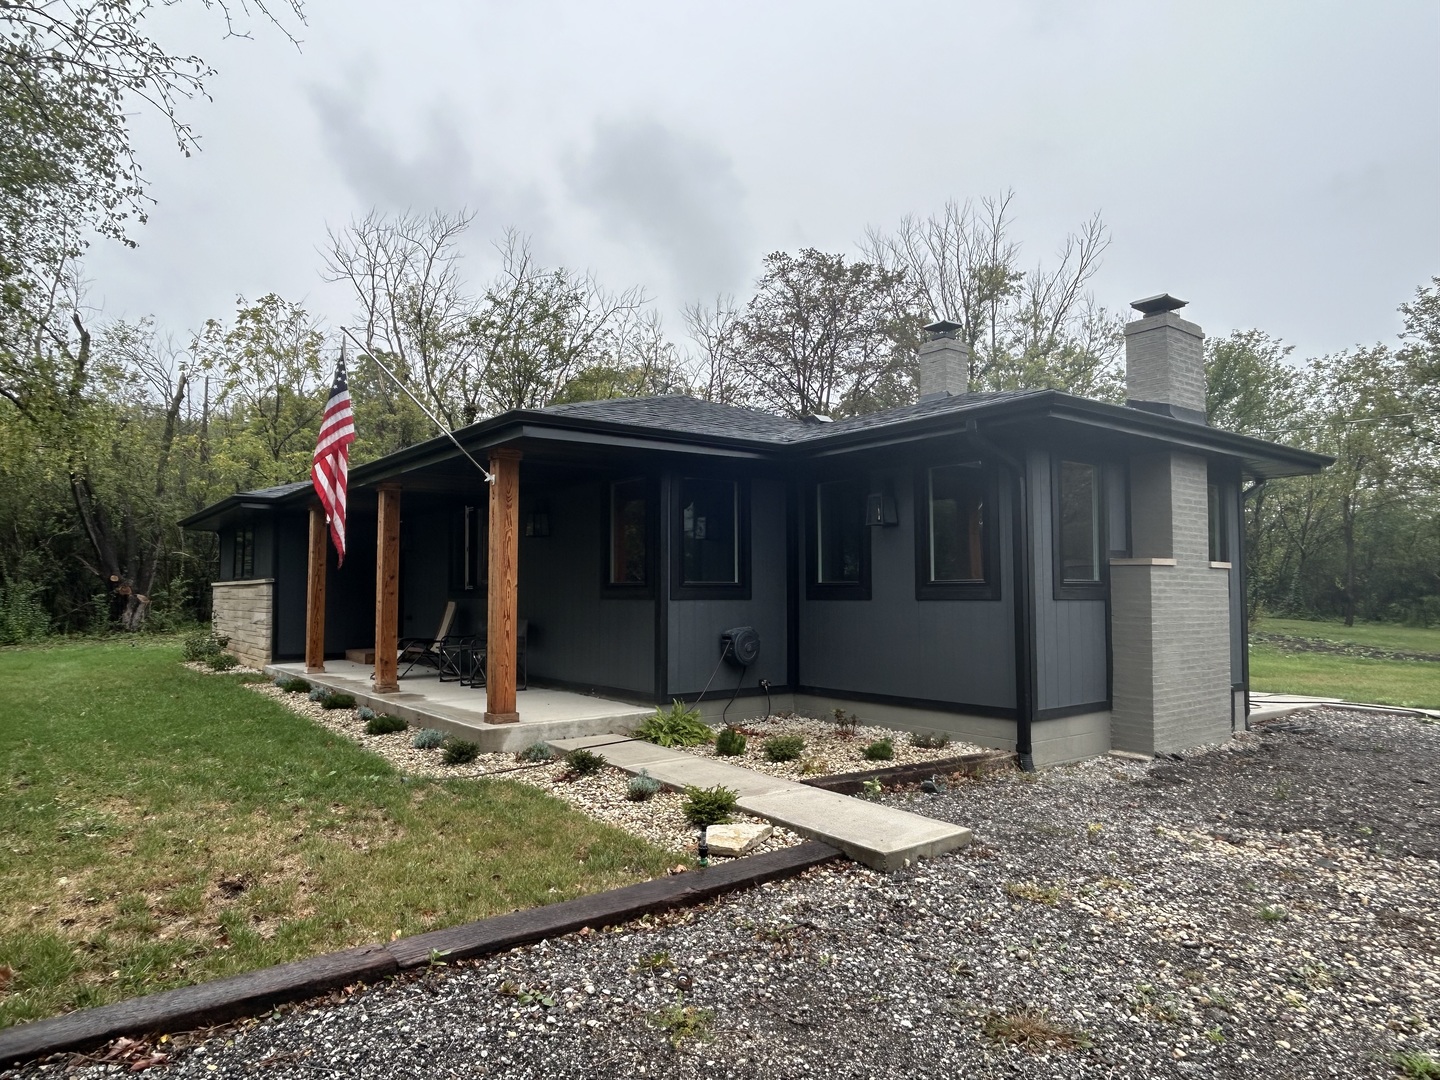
(880, 510)
(537, 523)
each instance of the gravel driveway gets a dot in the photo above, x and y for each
(1267, 909)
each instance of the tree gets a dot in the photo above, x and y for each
(1027, 329)
(644, 363)
(823, 335)
(715, 332)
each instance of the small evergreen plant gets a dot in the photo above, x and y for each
(880, 750)
(427, 739)
(460, 752)
(642, 787)
(384, 724)
(583, 763)
(709, 806)
(783, 747)
(729, 742)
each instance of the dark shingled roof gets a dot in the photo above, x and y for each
(678, 412)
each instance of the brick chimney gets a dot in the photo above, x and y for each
(944, 362)
(1165, 360)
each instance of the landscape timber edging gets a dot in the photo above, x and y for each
(895, 775)
(189, 1007)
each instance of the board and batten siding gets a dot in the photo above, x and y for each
(695, 626)
(582, 634)
(1070, 635)
(950, 652)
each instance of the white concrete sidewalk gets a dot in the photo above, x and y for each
(1267, 706)
(881, 837)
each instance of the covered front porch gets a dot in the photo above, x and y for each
(460, 710)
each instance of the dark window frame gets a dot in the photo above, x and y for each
(1217, 521)
(815, 589)
(710, 590)
(631, 589)
(989, 588)
(479, 563)
(242, 553)
(1079, 590)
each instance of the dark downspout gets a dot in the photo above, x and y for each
(1024, 599)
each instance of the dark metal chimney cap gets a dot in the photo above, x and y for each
(942, 329)
(1158, 305)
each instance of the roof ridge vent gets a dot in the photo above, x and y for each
(817, 418)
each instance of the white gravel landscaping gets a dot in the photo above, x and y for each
(601, 796)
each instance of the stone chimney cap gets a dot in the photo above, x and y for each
(1158, 305)
(942, 329)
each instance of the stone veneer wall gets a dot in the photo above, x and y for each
(245, 612)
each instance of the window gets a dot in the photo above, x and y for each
(709, 532)
(242, 557)
(468, 544)
(1219, 526)
(840, 551)
(1078, 543)
(953, 525)
(628, 533)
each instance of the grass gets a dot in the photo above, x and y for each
(164, 827)
(1417, 1065)
(1032, 1029)
(1414, 683)
(681, 1022)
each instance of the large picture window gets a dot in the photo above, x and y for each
(1079, 543)
(1219, 526)
(709, 532)
(840, 542)
(629, 533)
(954, 521)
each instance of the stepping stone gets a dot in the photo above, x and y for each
(734, 840)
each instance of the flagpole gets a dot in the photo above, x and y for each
(365, 351)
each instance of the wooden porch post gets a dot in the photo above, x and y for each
(387, 589)
(501, 597)
(315, 594)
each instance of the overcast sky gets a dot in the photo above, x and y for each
(1278, 165)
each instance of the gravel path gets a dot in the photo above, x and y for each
(1266, 909)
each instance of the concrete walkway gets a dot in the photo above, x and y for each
(881, 837)
(1265, 706)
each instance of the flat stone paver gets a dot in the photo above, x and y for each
(881, 837)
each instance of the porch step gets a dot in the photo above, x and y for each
(881, 837)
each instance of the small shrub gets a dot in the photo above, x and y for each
(642, 788)
(460, 752)
(384, 724)
(204, 645)
(880, 750)
(427, 739)
(317, 693)
(365, 713)
(709, 806)
(583, 763)
(338, 701)
(846, 723)
(222, 661)
(677, 726)
(783, 747)
(871, 789)
(536, 752)
(929, 740)
(729, 742)
(294, 685)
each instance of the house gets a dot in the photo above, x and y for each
(1028, 570)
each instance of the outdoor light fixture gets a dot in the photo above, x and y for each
(880, 510)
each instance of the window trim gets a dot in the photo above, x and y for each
(1079, 590)
(1217, 521)
(631, 589)
(990, 588)
(471, 519)
(710, 590)
(815, 589)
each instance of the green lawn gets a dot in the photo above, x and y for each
(163, 827)
(1279, 669)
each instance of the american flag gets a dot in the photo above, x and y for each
(330, 470)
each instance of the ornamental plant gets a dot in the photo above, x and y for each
(642, 788)
(679, 725)
(583, 763)
(783, 747)
(461, 752)
(383, 724)
(880, 750)
(729, 742)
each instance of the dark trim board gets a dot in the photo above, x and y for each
(999, 712)
(1060, 712)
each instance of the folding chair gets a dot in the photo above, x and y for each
(427, 650)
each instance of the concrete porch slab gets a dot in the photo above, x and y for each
(881, 837)
(460, 710)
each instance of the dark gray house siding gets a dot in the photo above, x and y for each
(954, 654)
(1071, 652)
(582, 634)
(693, 627)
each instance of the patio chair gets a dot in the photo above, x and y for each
(478, 658)
(427, 651)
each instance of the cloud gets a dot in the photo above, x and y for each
(671, 192)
